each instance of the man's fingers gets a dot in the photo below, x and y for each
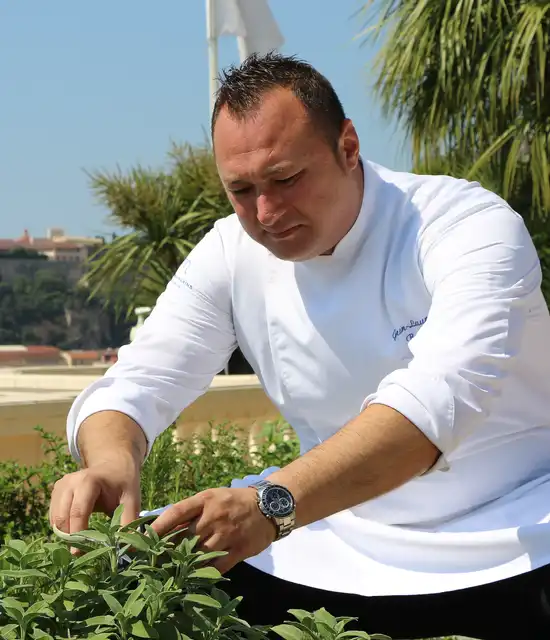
(60, 508)
(224, 563)
(178, 514)
(132, 507)
(83, 503)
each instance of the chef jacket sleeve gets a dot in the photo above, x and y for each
(187, 339)
(483, 275)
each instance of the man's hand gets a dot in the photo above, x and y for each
(102, 487)
(226, 520)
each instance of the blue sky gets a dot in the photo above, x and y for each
(87, 85)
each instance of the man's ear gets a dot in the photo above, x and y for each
(349, 146)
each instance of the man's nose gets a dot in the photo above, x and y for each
(269, 209)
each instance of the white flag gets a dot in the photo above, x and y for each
(251, 21)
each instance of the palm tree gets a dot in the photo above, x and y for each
(470, 81)
(166, 213)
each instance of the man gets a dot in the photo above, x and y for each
(397, 322)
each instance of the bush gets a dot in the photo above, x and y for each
(25, 491)
(162, 590)
(173, 471)
(176, 470)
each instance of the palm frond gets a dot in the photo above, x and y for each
(167, 212)
(468, 78)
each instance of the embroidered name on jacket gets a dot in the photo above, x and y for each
(412, 324)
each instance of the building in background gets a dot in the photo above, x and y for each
(56, 246)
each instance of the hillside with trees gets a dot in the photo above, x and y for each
(41, 307)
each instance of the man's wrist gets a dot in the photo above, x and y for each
(277, 504)
(108, 437)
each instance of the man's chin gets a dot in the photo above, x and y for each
(291, 254)
(294, 249)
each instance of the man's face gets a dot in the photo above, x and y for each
(290, 190)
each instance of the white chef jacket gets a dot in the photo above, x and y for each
(431, 304)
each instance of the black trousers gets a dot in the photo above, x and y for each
(513, 609)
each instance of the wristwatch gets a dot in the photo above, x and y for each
(277, 504)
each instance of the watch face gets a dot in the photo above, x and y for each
(277, 502)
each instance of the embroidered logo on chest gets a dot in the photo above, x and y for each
(409, 330)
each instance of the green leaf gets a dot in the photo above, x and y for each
(29, 559)
(90, 535)
(300, 614)
(206, 557)
(23, 573)
(103, 527)
(134, 597)
(230, 606)
(203, 600)
(100, 636)
(342, 622)
(74, 585)
(38, 634)
(135, 610)
(91, 556)
(325, 631)
(97, 621)
(143, 630)
(289, 632)
(16, 614)
(221, 596)
(355, 634)
(209, 573)
(61, 557)
(18, 545)
(135, 539)
(152, 533)
(7, 630)
(117, 516)
(12, 603)
(113, 604)
(324, 616)
(40, 608)
(68, 604)
(68, 537)
(137, 523)
(50, 598)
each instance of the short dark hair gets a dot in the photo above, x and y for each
(242, 88)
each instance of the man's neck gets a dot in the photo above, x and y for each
(358, 178)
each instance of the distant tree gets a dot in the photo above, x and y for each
(45, 308)
(166, 212)
(470, 82)
(21, 253)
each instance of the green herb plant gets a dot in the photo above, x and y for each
(165, 590)
(173, 471)
(127, 583)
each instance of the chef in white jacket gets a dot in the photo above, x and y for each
(397, 322)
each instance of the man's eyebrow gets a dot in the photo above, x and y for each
(272, 170)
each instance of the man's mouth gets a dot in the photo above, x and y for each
(283, 234)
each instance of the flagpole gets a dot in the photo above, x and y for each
(212, 40)
(241, 44)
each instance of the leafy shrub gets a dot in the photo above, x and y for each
(165, 213)
(173, 471)
(163, 589)
(176, 470)
(25, 491)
